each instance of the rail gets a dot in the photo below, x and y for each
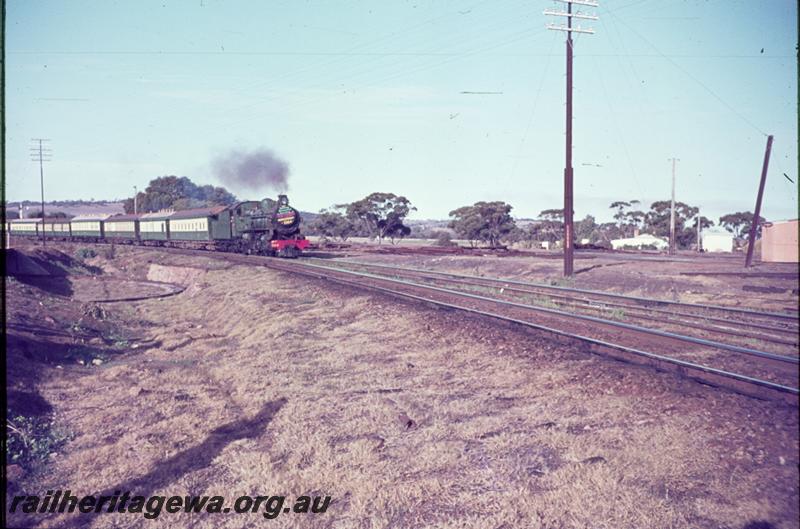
(297, 268)
(648, 301)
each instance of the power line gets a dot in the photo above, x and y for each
(515, 37)
(533, 110)
(617, 130)
(359, 71)
(692, 77)
(380, 54)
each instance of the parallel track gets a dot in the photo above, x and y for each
(647, 301)
(553, 321)
(432, 294)
(775, 330)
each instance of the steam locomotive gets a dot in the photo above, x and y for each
(263, 227)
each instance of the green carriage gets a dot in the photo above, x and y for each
(122, 227)
(57, 227)
(88, 225)
(25, 227)
(202, 224)
(154, 226)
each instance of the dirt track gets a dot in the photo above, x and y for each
(264, 383)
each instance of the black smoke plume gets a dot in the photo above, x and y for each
(254, 170)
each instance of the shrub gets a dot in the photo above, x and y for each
(31, 439)
(443, 238)
(85, 253)
(110, 251)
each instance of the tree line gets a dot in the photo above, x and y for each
(377, 216)
(382, 215)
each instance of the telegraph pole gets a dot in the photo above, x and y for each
(698, 230)
(41, 154)
(751, 241)
(135, 201)
(569, 235)
(672, 211)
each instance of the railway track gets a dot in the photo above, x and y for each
(737, 347)
(750, 324)
(767, 358)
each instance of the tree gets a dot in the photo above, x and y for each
(555, 215)
(443, 238)
(619, 216)
(739, 223)
(172, 192)
(215, 196)
(467, 224)
(609, 231)
(549, 227)
(188, 203)
(628, 219)
(380, 214)
(53, 215)
(483, 221)
(586, 229)
(332, 223)
(704, 222)
(397, 231)
(686, 219)
(658, 218)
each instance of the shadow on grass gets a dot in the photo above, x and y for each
(190, 460)
(45, 269)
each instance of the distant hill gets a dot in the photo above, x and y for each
(70, 207)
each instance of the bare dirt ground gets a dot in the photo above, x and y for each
(252, 381)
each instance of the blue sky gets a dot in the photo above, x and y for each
(364, 96)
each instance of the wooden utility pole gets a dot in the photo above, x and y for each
(41, 154)
(672, 211)
(751, 240)
(569, 232)
(135, 201)
(698, 229)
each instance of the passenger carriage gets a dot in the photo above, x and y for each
(88, 226)
(202, 224)
(25, 227)
(122, 228)
(154, 226)
(57, 228)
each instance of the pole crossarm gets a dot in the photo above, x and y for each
(573, 15)
(589, 3)
(571, 30)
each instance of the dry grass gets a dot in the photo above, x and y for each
(507, 429)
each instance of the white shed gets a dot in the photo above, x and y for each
(716, 240)
(640, 241)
